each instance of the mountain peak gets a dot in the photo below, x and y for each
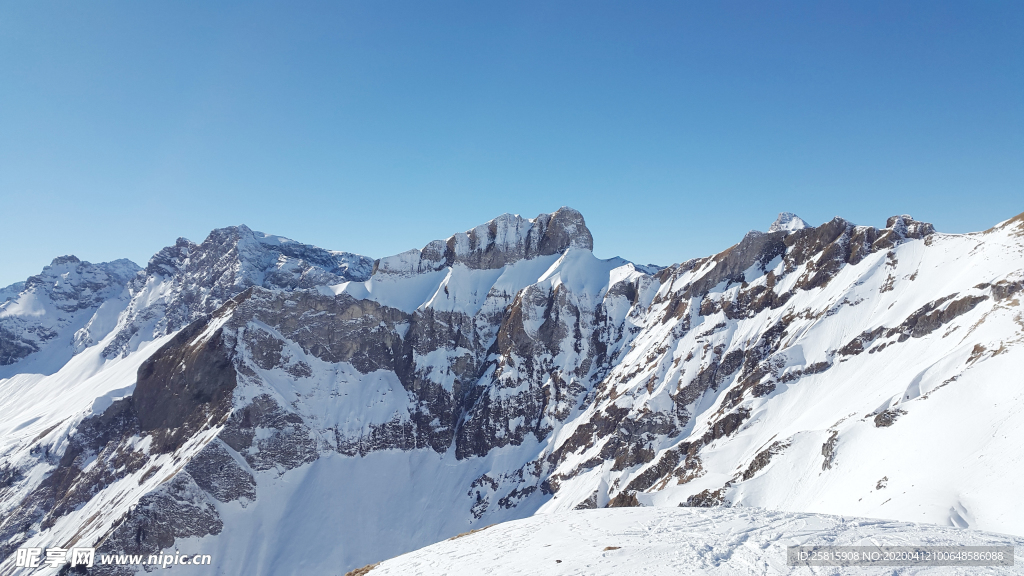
(788, 222)
(68, 259)
(501, 241)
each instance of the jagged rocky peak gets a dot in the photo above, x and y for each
(74, 284)
(257, 259)
(252, 258)
(788, 222)
(185, 281)
(168, 260)
(904, 226)
(66, 259)
(502, 241)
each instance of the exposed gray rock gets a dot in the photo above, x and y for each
(888, 417)
(707, 499)
(286, 444)
(828, 450)
(186, 385)
(763, 458)
(215, 470)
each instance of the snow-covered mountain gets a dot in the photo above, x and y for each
(69, 302)
(289, 409)
(788, 222)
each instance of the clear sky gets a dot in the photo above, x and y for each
(377, 126)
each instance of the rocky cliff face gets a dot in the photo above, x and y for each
(505, 240)
(506, 370)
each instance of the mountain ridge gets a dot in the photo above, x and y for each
(551, 382)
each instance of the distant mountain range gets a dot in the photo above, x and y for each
(294, 410)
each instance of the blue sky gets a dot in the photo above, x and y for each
(375, 127)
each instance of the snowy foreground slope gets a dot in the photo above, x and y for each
(289, 409)
(677, 542)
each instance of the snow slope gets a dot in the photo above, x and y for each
(678, 541)
(921, 422)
